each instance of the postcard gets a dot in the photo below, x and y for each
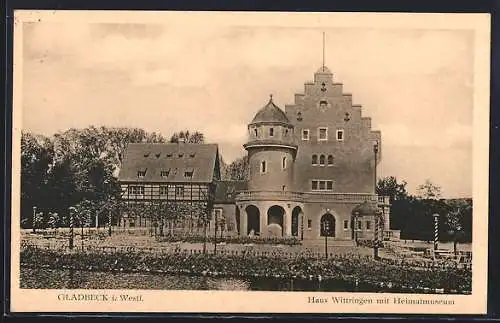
(250, 162)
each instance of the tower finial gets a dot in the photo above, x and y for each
(270, 97)
(323, 51)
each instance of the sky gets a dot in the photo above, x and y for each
(415, 84)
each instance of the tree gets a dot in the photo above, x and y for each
(238, 169)
(389, 186)
(458, 221)
(429, 191)
(36, 165)
(188, 137)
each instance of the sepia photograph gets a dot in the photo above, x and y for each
(336, 159)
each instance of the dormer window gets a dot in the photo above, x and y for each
(271, 132)
(188, 173)
(141, 173)
(164, 173)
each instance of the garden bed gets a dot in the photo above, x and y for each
(345, 268)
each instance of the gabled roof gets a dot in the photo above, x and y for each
(225, 191)
(169, 163)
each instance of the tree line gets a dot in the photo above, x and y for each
(413, 214)
(78, 168)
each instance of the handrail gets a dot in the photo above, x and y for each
(301, 196)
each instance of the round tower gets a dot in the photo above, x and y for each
(271, 150)
(269, 206)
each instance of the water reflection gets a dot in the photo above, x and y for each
(75, 279)
(43, 278)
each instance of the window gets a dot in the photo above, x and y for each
(179, 191)
(315, 160)
(309, 224)
(305, 134)
(169, 155)
(263, 166)
(146, 154)
(271, 132)
(283, 163)
(286, 132)
(340, 135)
(358, 225)
(255, 132)
(181, 155)
(163, 190)
(192, 155)
(138, 190)
(330, 160)
(368, 225)
(188, 173)
(323, 134)
(322, 185)
(346, 224)
(164, 173)
(158, 155)
(141, 173)
(322, 160)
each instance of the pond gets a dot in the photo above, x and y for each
(43, 278)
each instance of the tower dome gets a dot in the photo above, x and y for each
(270, 113)
(271, 150)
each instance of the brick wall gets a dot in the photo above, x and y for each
(353, 167)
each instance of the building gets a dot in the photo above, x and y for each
(166, 179)
(312, 168)
(312, 171)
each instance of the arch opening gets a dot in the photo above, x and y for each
(327, 225)
(253, 219)
(275, 217)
